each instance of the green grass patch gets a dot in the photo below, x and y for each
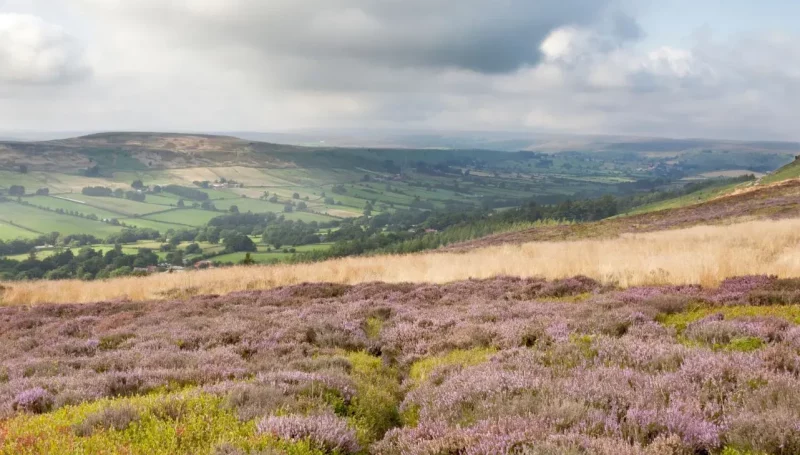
(745, 344)
(374, 409)
(373, 327)
(679, 321)
(683, 201)
(420, 370)
(790, 171)
(184, 423)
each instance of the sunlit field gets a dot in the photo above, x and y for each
(700, 255)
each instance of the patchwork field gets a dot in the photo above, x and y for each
(68, 203)
(187, 217)
(119, 206)
(14, 232)
(43, 221)
(500, 366)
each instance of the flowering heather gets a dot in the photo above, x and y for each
(328, 432)
(35, 400)
(506, 365)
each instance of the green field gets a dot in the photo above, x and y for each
(151, 224)
(262, 256)
(44, 221)
(62, 202)
(163, 199)
(123, 207)
(185, 217)
(9, 232)
(249, 205)
(55, 182)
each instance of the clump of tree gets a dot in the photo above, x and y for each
(97, 191)
(135, 196)
(291, 233)
(87, 264)
(186, 192)
(236, 242)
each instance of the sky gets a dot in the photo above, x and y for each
(704, 68)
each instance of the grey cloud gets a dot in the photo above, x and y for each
(476, 35)
(33, 51)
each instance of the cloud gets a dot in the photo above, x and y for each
(469, 34)
(35, 52)
(579, 66)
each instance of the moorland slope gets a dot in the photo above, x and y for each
(477, 368)
(776, 196)
(698, 255)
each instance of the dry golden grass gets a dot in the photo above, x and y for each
(703, 255)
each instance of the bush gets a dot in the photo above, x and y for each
(36, 401)
(327, 432)
(117, 418)
(254, 400)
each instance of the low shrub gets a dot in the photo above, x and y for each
(117, 418)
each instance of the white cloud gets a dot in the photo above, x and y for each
(35, 52)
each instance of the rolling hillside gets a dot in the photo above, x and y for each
(776, 196)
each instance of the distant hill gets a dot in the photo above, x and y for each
(138, 151)
(513, 141)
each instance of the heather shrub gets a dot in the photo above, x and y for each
(35, 400)
(786, 284)
(255, 400)
(776, 432)
(327, 432)
(226, 448)
(568, 287)
(477, 367)
(170, 408)
(668, 304)
(111, 342)
(770, 297)
(117, 418)
(714, 331)
(125, 384)
(78, 328)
